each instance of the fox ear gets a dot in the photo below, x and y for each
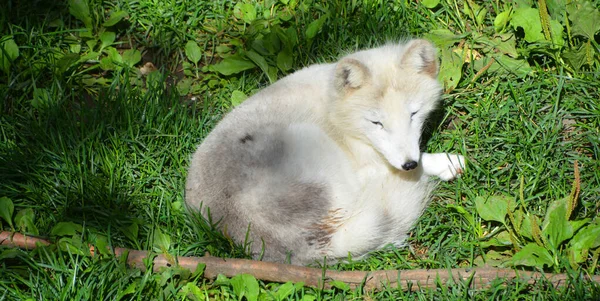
(351, 74)
(420, 55)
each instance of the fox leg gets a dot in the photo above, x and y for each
(443, 165)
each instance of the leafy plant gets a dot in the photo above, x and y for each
(9, 51)
(524, 239)
(506, 43)
(245, 285)
(22, 222)
(265, 39)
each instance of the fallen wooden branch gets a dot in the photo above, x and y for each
(315, 277)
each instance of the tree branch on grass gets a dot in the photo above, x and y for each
(315, 277)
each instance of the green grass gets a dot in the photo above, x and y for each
(109, 149)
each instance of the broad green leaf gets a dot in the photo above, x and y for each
(130, 289)
(493, 258)
(87, 33)
(492, 208)
(272, 74)
(161, 242)
(115, 18)
(131, 232)
(340, 285)
(245, 285)
(66, 229)
(315, 27)
(587, 238)
(188, 69)
(91, 44)
(285, 15)
(532, 255)
(285, 59)
(576, 224)
(10, 253)
(184, 86)
(237, 97)
(41, 98)
(258, 60)
(193, 52)
(232, 65)
(252, 288)
(101, 243)
(114, 55)
(261, 46)
(80, 10)
(577, 58)
(556, 8)
(450, 69)
(107, 64)
(529, 19)
(223, 49)
(75, 48)
(520, 68)
(272, 43)
(67, 61)
(501, 20)
(24, 221)
(199, 270)
(430, 3)
(526, 229)
(6, 210)
(292, 36)
(556, 226)
(285, 290)
(221, 280)
(193, 291)
(72, 245)
(9, 51)
(443, 38)
(132, 57)
(244, 11)
(505, 44)
(107, 38)
(557, 33)
(502, 239)
(585, 17)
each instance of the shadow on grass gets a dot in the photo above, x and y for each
(105, 163)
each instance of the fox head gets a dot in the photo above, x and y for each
(384, 95)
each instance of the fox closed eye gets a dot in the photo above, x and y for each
(413, 114)
(377, 123)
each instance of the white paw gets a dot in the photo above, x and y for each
(455, 166)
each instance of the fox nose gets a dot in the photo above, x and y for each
(410, 165)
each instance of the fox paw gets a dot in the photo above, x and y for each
(455, 166)
(444, 166)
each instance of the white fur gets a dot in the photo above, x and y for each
(341, 138)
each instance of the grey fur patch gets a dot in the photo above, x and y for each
(252, 184)
(290, 210)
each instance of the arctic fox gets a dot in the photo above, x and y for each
(326, 161)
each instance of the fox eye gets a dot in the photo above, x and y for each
(413, 114)
(377, 123)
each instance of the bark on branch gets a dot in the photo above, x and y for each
(315, 277)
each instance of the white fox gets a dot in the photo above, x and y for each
(326, 161)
